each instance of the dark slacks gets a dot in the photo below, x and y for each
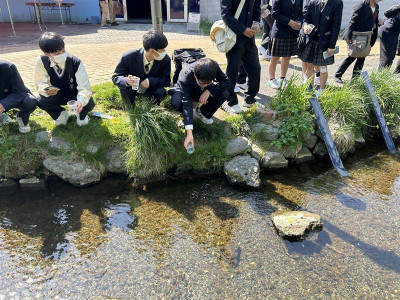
(242, 76)
(128, 95)
(208, 109)
(248, 55)
(52, 105)
(26, 103)
(347, 62)
(388, 47)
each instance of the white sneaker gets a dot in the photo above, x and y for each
(4, 119)
(282, 82)
(317, 80)
(273, 84)
(243, 86)
(228, 109)
(83, 122)
(305, 78)
(236, 90)
(318, 93)
(198, 115)
(22, 127)
(256, 104)
(62, 119)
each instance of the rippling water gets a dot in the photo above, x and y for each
(206, 239)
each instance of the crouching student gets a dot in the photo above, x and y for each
(145, 71)
(14, 94)
(59, 78)
(202, 81)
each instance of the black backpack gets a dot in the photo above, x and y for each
(392, 12)
(186, 55)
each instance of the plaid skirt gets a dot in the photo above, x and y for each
(312, 54)
(283, 47)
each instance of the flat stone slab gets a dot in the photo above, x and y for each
(295, 225)
(237, 146)
(58, 143)
(273, 160)
(304, 155)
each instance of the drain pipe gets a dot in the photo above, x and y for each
(156, 14)
(11, 20)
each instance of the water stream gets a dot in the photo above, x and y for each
(206, 239)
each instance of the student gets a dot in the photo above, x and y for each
(322, 20)
(245, 50)
(364, 18)
(284, 34)
(112, 6)
(104, 8)
(14, 94)
(268, 22)
(389, 36)
(151, 64)
(59, 78)
(202, 81)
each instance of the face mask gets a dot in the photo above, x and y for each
(58, 59)
(160, 55)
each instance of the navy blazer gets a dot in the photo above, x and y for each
(190, 90)
(282, 12)
(131, 63)
(363, 20)
(253, 13)
(11, 85)
(327, 23)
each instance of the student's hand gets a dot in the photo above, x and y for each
(204, 97)
(130, 80)
(349, 41)
(330, 51)
(145, 83)
(249, 32)
(79, 107)
(308, 29)
(52, 92)
(294, 25)
(2, 109)
(189, 138)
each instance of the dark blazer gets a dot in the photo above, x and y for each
(251, 12)
(282, 12)
(327, 23)
(190, 90)
(363, 20)
(389, 32)
(11, 85)
(131, 63)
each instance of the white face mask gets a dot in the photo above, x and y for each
(160, 55)
(58, 59)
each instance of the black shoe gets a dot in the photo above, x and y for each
(114, 24)
(339, 80)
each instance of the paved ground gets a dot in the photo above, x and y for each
(100, 50)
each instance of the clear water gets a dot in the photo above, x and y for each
(205, 240)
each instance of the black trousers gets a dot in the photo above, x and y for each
(388, 47)
(208, 109)
(52, 105)
(128, 95)
(248, 56)
(242, 76)
(358, 66)
(26, 106)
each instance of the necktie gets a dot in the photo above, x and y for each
(147, 68)
(58, 69)
(323, 4)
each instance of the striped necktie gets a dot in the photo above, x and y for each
(147, 68)
(323, 4)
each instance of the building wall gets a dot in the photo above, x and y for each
(20, 11)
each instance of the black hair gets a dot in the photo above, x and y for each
(154, 39)
(206, 69)
(51, 42)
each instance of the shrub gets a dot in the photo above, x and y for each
(108, 96)
(238, 125)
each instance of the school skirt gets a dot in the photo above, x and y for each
(283, 47)
(312, 54)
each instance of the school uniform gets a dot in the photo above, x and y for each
(186, 91)
(134, 63)
(13, 93)
(245, 49)
(389, 34)
(284, 38)
(363, 19)
(72, 80)
(327, 19)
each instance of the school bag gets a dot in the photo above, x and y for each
(392, 12)
(222, 36)
(185, 55)
(360, 45)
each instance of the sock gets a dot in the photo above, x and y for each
(317, 74)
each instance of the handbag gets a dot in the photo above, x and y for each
(222, 36)
(360, 45)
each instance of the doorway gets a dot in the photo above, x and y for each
(140, 11)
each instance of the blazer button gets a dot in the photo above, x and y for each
(248, 13)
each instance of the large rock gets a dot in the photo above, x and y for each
(359, 141)
(256, 152)
(243, 170)
(59, 143)
(295, 224)
(116, 161)
(76, 172)
(320, 149)
(237, 146)
(273, 160)
(309, 140)
(266, 115)
(291, 153)
(267, 132)
(304, 155)
(42, 137)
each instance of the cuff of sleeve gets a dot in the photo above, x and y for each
(83, 101)
(188, 127)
